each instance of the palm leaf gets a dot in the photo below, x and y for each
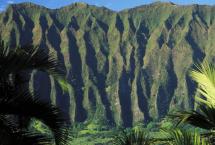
(10, 134)
(25, 138)
(28, 58)
(195, 118)
(204, 75)
(133, 137)
(15, 65)
(204, 117)
(179, 136)
(22, 104)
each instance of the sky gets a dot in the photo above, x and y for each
(116, 5)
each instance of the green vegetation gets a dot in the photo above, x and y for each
(123, 67)
(204, 75)
(166, 132)
(128, 68)
(18, 104)
(133, 137)
(184, 137)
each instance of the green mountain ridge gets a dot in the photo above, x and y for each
(123, 67)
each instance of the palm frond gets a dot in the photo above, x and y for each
(179, 136)
(204, 75)
(26, 138)
(194, 118)
(15, 65)
(10, 134)
(204, 117)
(22, 104)
(133, 137)
(28, 58)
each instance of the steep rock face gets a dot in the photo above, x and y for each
(123, 67)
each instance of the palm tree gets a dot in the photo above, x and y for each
(134, 136)
(204, 117)
(18, 102)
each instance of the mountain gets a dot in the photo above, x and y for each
(123, 67)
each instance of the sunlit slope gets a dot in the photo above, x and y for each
(124, 67)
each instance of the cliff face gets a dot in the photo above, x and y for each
(123, 67)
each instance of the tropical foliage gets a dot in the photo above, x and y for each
(179, 136)
(204, 117)
(18, 105)
(134, 136)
